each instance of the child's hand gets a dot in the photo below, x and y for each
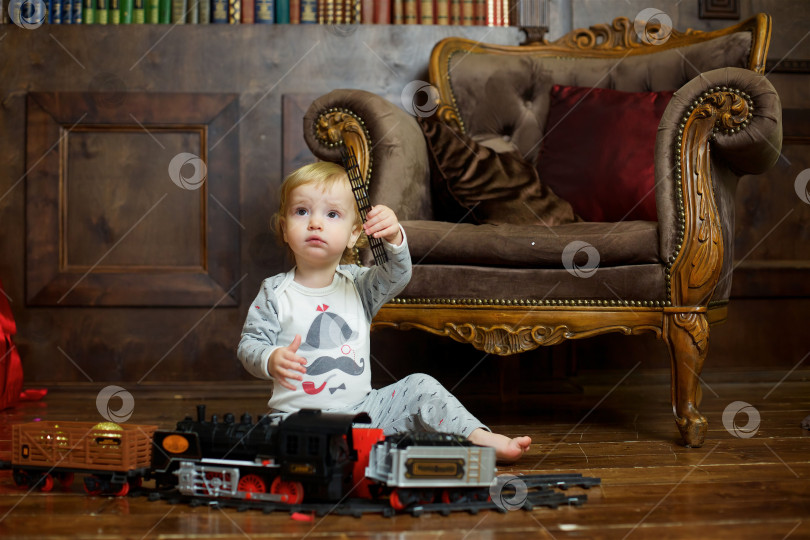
(283, 364)
(381, 222)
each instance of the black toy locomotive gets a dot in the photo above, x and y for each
(308, 454)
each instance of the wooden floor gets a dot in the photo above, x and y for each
(652, 487)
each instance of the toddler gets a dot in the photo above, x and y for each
(308, 329)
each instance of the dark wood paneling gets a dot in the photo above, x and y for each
(719, 9)
(295, 153)
(772, 242)
(112, 67)
(106, 223)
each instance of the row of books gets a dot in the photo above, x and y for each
(453, 12)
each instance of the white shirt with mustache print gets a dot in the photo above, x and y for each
(334, 323)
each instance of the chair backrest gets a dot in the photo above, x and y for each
(502, 92)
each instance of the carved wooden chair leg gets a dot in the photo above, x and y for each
(687, 338)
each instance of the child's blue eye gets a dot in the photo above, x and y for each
(300, 211)
(333, 214)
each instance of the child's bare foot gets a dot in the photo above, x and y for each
(506, 449)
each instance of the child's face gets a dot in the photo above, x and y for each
(320, 223)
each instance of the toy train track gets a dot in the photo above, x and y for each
(541, 493)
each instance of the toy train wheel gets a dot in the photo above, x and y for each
(65, 479)
(93, 485)
(396, 502)
(122, 490)
(450, 496)
(251, 483)
(402, 498)
(21, 478)
(293, 490)
(45, 483)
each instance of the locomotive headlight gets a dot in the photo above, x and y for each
(175, 444)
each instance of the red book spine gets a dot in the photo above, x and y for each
(248, 15)
(295, 11)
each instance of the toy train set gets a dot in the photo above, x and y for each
(308, 458)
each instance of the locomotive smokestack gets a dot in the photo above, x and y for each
(200, 413)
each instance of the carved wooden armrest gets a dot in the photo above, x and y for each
(387, 141)
(731, 118)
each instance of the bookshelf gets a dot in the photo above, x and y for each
(32, 13)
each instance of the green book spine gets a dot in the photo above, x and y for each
(179, 8)
(152, 7)
(282, 12)
(114, 12)
(102, 14)
(193, 15)
(164, 11)
(125, 7)
(138, 12)
(205, 11)
(88, 11)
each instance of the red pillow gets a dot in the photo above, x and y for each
(598, 151)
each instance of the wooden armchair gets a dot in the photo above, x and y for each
(671, 277)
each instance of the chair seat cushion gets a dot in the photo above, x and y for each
(641, 285)
(532, 246)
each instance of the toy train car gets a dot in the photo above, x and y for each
(417, 466)
(309, 454)
(114, 457)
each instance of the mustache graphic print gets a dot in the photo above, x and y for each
(345, 364)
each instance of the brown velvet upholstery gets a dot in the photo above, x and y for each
(529, 246)
(510, 288)
(495, 188)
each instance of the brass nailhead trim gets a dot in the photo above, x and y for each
(531, 302)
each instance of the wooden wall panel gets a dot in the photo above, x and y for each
(107, 225)
(772, 242)
(109, 185)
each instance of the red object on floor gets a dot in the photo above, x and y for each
(33, 394)
(299, 516)
(11, 374)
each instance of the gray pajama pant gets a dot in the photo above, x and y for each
(417, 402)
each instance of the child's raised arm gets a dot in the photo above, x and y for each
(382, 222)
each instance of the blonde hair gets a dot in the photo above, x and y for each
(324, 175)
